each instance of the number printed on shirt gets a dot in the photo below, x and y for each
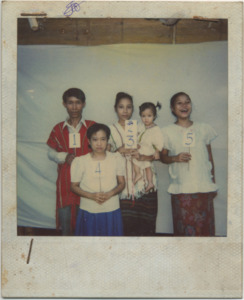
(74, 140)
(189, 139)
(98, 169)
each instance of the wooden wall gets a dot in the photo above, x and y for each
(96, 31)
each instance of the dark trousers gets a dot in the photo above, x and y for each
(64, 215)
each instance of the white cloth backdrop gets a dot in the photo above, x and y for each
(146, 71)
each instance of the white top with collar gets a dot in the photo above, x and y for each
(98, 176)
(195, 176)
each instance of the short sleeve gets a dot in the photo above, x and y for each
(120, 165)
(210, 134)
(166, 141)
(158, 139)
(77, 169)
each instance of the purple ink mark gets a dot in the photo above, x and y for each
(72, 7)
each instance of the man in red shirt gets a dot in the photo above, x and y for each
(66, 141)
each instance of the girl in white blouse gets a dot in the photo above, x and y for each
(98, 178)
(187, 150)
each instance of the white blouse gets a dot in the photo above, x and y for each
(194, 176)
(95, 176)
(116, 140)
(149, 140)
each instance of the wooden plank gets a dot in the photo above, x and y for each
(50, 32)
(105, 31)
(196, 31)
(146, 31)
(98, 31)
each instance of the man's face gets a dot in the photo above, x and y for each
(74, 107)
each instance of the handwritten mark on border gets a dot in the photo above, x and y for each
(72, 7)
(29, 254)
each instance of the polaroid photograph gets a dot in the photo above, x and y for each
(122, 149)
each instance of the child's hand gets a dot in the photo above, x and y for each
(69, 158)
(156, 155)
(183, 157)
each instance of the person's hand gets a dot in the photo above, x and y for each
(69, 158)
(98, 197)
(101, 197)
(183, 157)
(156, 155)
(135, 154)
(106, 196)
(123, 151)
(141, 157)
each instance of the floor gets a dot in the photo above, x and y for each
(31, 231)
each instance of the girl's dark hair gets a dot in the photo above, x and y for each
(95, 128)
(120, 96)
(174, 98)
(151, 106)
(74, 92)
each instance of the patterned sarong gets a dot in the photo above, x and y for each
(139, 217)
(193, 214)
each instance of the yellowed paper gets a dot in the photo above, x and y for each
(157, 267)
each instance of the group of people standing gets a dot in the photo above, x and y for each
(107, 189)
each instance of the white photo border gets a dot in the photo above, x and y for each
(122, 267)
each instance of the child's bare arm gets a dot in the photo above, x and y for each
(141, 157)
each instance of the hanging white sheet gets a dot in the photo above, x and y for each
(149, 73)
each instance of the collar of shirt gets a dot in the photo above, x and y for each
(73, 129)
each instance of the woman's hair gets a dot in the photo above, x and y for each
(122, 95)
(74, 92)
(174, 98)
(97, 127)
(151, 106)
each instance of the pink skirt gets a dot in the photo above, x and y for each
(193, 214)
